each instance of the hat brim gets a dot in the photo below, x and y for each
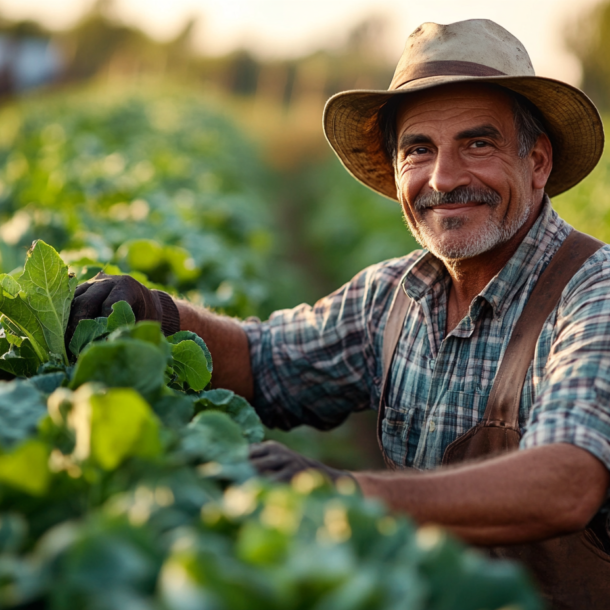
(574, 124)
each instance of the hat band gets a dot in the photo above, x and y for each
(442, 68)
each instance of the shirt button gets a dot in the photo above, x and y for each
(432, 426)
(431, 363)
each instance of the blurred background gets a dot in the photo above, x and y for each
(181, 141)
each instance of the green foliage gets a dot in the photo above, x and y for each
(237, 407)
(587, 205)
(190, 365)
(122, 485)
(36, 304)
(86, 332)
(121, 315)
(588, 37)
(48, 290)
(346, 225)
(122, 363)
(152, 183)
(21, 408)
(122, 425)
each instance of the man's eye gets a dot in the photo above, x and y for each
(420, 150)
(480, 144)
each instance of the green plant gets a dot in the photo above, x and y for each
(152, 181)
(125, 483)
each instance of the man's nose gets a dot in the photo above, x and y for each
(448, 172)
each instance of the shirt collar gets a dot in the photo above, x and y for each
(541, 242)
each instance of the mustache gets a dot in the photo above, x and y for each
(461, 194)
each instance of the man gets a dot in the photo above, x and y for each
(471, 143)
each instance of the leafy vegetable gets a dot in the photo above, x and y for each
(213, 437)
(86, 332)
(38, 302)
(237, 408)
(151, 182)
(48, 290)
(121, 316)
(21, 408)
(125, 484)
(190, 365)
(122, 424)
(26, 467)
(124, 363)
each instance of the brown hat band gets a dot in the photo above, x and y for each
(442, 68)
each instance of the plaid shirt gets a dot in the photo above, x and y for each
(315, 365)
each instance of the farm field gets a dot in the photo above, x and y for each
(124, 480)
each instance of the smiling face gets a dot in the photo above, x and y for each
(463, 187)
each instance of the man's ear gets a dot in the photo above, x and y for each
(541, 157)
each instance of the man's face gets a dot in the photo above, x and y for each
(463, 187)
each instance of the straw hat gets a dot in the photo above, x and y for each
(477, 50)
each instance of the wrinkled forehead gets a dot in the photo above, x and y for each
(458, 99)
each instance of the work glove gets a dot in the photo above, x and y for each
(96, 297)
(278, 463)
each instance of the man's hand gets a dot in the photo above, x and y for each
(96, 297)
(277, 462)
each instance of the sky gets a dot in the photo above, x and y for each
(288, 28)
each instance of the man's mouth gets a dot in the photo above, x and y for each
(453, 209)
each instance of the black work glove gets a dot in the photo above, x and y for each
(277, 462)
(96, 297)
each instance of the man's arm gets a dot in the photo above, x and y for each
(228, 344)
(526, 496)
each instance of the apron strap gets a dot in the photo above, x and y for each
(391, 334)
(503, 404)
(505, 397)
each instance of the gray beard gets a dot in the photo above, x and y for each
(492, 235)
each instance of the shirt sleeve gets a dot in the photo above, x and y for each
(316, 364)
(573, 402)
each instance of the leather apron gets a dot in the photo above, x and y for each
(572, 571)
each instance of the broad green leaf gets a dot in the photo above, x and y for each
(125, 363)
(186, 335)
(26, 468)
(238, 408)
(86, 332)
(21, 408)
(213, 437)
(10, 284)
(142, 254)
(13, 532)
(49, 382)
(191, 365)
(181, 263)
(149, 331)
(122, 315)
(146, 330)
(122, 425)
(175, 410)
(21, 361)
(48, 291)
(27, 351)
(22, 321)
(103, 563)
(261, 545)
(15, 365)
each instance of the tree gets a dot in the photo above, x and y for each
(589, 39)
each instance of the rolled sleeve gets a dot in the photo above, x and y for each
(573, 403)
(316, 364)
